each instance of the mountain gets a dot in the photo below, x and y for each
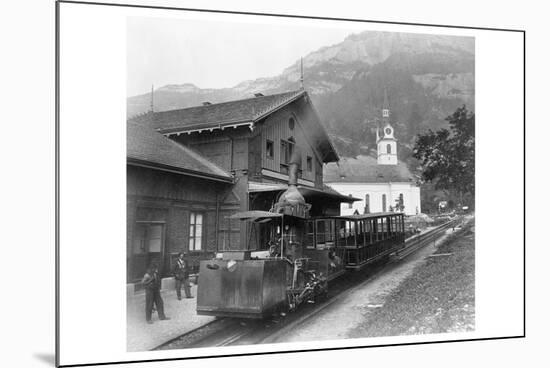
(426, 77)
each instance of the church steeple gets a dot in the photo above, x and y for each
(387, 144)
(386, 108)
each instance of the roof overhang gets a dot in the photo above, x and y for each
(177, 170)
(307, 192)
(367, 216)
(259, 116)
(199, 128)
(255, 216)
(315, 193)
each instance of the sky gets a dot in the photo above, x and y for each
(216, 53)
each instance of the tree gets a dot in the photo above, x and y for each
(447, 156)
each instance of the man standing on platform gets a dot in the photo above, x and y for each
(181, 274)
(151, 281)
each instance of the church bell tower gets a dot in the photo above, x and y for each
(387, 144)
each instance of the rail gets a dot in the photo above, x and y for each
(421, 240)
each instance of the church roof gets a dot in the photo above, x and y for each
(148, 148)
(365, 169)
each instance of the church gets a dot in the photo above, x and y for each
(382, 183)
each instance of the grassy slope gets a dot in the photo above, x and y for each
(438, 297)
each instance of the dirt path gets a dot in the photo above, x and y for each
(338, 320)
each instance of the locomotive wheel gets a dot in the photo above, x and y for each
(321, 296)
(322, 293)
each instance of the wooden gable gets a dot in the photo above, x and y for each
(285, 127)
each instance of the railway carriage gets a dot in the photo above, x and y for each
(357, 239)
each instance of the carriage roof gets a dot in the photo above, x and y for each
(361, 217)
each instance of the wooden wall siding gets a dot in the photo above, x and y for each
(158, 184)
(130, 222)
(275, 128)
(255, 157)
(177, 230)
(218, 152)
(227, 149)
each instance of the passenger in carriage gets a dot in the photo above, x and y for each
(335, 261)
(275, 247)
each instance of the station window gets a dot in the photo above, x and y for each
(287, 147)
(269, 149)
(291, 123)
(309, 164)
(388, 148)
(310, 234)
(195, 231)
(284, 152)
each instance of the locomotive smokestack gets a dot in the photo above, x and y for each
(291, 202)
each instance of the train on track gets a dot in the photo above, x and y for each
(302, 255)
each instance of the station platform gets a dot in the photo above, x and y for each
(141, 336)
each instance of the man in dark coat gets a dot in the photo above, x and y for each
(181, 274)
(151, 281)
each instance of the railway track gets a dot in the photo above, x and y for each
(421, 240)
(231, 331)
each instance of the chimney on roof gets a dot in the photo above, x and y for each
(207, 103)
(258, 94)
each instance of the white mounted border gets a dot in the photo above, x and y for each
(92, 164)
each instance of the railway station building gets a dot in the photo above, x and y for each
(189, 170)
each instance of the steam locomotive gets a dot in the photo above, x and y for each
(302, 256)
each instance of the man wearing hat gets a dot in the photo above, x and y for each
(181, 274)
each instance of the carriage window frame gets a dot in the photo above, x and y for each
(369, 230)
(328, 234)
(381, 232)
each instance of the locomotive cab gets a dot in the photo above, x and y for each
(250, 284)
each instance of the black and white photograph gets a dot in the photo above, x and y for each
(246, 184)
(331, 198)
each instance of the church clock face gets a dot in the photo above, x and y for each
(388, 131)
